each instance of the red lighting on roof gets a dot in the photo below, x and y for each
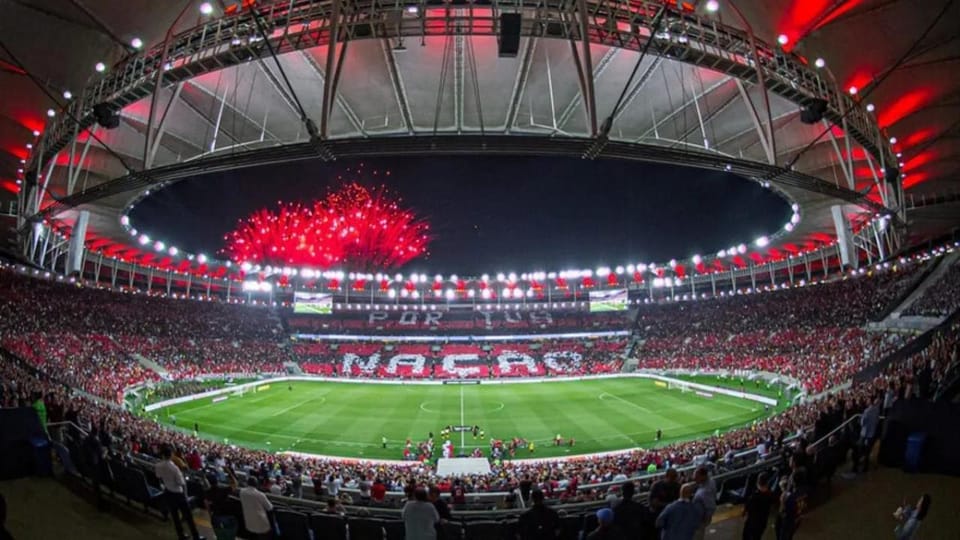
(805, 16)
(904, 106)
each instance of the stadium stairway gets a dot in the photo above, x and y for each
(150, 364)
(895, 321)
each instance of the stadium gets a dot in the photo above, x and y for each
(309, 269)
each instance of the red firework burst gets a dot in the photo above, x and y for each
(355, 227)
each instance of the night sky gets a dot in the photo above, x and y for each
(491, 214)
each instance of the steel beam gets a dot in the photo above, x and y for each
(396, 80)
(520, 82)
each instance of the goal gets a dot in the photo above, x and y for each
(677, 385)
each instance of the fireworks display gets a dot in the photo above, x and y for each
(354, 227)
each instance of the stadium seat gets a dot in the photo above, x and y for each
(483, 530)
(360, 529)
(451, 530)
(510, 529)
(328, 526)
(570, 527)
(590, 522)
(395, 530)
(293, 525)
(137, 489)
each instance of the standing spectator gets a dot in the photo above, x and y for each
(628, 514)
(175, 494)
(664, 491)
(682, 518)
(93, 455)
(756, 511)
(443, 510)
(257, 510)
(789, 509)
(868, 432)
(420, 518)
(910, 518)
(540, 522)
(705, 497)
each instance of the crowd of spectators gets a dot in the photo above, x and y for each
(813, 334)
(788, 323)
(940, 298)
(410, 320)
(87, 336)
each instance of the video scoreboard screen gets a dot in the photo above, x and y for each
(613, 300)
(306, 303)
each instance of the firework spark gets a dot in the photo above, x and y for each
(354, 226)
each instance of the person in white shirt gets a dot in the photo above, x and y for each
(333, 486)
(175, 494)
(256, 510)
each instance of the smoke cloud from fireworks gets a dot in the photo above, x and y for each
(353, 227)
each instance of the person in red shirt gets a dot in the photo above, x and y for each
(459, 494)
(378, 491)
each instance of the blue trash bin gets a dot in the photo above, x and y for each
(43, 464)
(914, 453)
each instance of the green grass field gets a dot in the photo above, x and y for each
(349, 419)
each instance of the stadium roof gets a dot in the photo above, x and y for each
(694, 98)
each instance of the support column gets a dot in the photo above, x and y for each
(845, 246)
(74, 262)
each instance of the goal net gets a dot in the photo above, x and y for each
(677, 385)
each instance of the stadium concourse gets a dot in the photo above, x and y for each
(76, 347)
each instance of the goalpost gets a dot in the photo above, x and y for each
(681, 386)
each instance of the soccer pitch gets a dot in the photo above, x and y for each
(348, 419)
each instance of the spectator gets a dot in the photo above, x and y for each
(628, 514)
(540, 522)
(790, 508)
(257, 511)
(664, 491)
(175, 494)
(606, 528)
(216, 499)
(378, 491)
(681, 519)
(756, 511)
(420, 518)
(911, 518)
(705, 497)
(334, 507)
(442, 509)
